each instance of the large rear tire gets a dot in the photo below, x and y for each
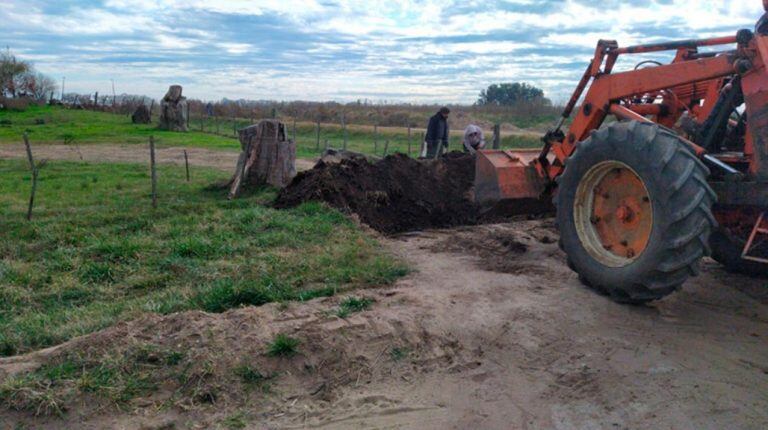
(634, 211)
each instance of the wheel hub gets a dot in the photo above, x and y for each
(613, 213)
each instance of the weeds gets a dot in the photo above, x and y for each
(236, 421)
(398, 353)
(116, 378)
(283, 346)
(353, 304)
(252, 378)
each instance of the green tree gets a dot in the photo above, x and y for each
(509, 94)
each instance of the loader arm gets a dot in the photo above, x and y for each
(625, 178)
(691, 82)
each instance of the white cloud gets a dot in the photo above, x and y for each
(431, 50)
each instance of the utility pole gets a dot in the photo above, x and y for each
(63, 78)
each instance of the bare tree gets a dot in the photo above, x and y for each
(19, 78)
(37, 85)
(11, 72)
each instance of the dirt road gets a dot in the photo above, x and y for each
(491, 331)
(218, 159)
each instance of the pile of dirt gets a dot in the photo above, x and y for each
(165, 367)
(397, 193)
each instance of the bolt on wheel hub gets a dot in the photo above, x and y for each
(613, 213)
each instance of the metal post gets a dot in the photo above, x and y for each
(496, 136)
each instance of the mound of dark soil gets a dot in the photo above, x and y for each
(395, 194)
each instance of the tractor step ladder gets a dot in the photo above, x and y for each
(759, 229)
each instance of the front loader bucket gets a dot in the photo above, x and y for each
(508, 179)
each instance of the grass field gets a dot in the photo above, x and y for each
(96, 253)
(58, 125)
(49, 124)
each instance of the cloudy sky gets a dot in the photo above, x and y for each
(394, 50)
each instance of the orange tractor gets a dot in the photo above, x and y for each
(681, 173)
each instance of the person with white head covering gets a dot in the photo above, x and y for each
(473, 139)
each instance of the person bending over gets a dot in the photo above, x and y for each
(473, 139)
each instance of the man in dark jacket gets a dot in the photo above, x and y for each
(436, 139)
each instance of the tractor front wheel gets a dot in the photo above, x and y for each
(634, 211)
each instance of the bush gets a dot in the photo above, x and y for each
(17, 104)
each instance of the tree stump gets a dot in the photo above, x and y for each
(173, 110)
(141, 115)
(267, 157)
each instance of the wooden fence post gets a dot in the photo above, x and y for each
(34, 170)
(409, 140)
(153, 170)
(386, 147)
(326, 144)
(344, 129)
(317, 130)
(186, 163)
(496, 136)
(375, 137)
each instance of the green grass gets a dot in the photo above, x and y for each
(69, 126)
(283, 346)
(236, 421)
(115, 378)
(48, 124)
(351, 305)
(252, 378)
(96, 253)
(399, 353)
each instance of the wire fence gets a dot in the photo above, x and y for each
(370, 129)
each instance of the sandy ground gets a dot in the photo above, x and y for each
(497, 334)
(219, 159)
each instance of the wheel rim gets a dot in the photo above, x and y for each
(613, 214)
